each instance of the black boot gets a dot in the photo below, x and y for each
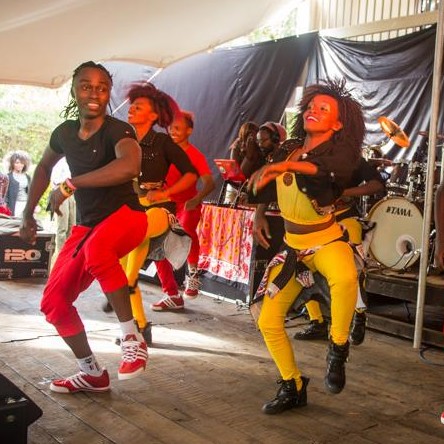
(287, 397)
(315, 330)
(357, 333)
(336, 357)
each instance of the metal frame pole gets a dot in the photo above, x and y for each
(429, 197)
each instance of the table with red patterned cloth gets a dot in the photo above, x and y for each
(226, 242)
(231, 264)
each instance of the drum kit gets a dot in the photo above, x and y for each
(396, 239)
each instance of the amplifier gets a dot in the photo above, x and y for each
(19, 259)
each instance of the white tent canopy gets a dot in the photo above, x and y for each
(42, 41)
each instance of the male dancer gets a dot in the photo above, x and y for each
(103, 156)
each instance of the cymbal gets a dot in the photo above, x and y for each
(426, 134)
(394, 132)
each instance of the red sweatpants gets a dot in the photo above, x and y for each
(78, 265)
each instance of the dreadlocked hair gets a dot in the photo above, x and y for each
(163, 105)
(71, 111)
(350, 114)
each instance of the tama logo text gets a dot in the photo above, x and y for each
(398, 211)
(20, 255)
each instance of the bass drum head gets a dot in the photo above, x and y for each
(397, 236)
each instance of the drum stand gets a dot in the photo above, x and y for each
(431, 262)
(364, 206)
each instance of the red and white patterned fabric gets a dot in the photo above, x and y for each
(226, 242)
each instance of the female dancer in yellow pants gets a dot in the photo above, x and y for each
(330, 129)
(150, 106)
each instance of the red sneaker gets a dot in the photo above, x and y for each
(192, 286)
(134, 357)
(81, 382)
(168, 303)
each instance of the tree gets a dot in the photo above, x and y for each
(27, 131)
(28, 115)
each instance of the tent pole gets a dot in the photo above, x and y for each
(158, 71)
(429, 196)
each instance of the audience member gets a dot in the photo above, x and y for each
(66, 218)
(4, 183)
(19, 180)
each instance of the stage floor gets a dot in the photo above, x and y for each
(209, 374)
(392, 300)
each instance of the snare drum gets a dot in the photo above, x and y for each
(407, 180)
(397, 237)
(398, 184)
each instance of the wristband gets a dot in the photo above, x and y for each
(66, 190)
(69, 183)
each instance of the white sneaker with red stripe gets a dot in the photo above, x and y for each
(134, 357)
(81, 382)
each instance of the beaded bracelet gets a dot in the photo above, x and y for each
(66, 190)
(69, 183)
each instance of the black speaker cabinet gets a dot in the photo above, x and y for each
(17, 413)
(21, 260)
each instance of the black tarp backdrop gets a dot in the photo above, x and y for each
(224, 88)
(227, 87)
(392, 78)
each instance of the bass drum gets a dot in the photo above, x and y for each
(397, 236)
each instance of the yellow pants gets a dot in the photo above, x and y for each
(132, 263)
(354, 229)
(336, 263)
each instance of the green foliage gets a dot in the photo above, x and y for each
(26, 130)
(27, 118)
(285, 28)
(290, 117)
(277, 31)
